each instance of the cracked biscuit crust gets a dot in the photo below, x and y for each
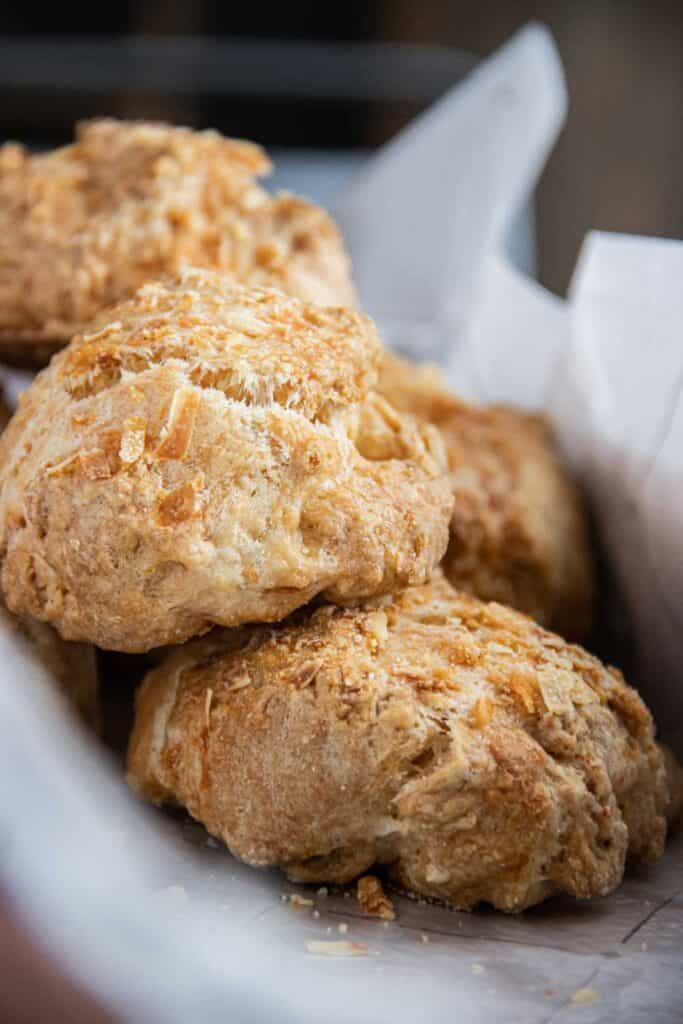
(206, 454)
(479, 756)
(86, 225)
(519, 532)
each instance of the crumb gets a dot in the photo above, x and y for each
(585, 997)
(425, 938)
(372, 898)
(284, 897)
(316, 914)
(322, 891)
(343, 948)
(478, 968)
(343, 928)
(174, 895)
(300, 901)
(643, 947)
(213, 843)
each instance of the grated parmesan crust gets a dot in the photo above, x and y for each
(519, 532)
(478, 756)
(211, 454)
(84, 226)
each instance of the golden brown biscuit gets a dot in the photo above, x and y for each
(479, 756)
(519, 533)
(84, 226)
(208, 453)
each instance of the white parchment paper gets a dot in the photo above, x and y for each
(166, 927)
(618, 404)
(428, 225)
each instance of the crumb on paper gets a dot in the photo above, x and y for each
(213, 843)
(424, 938)
(343, 928)
(322, 891)
(298, 901)
(478, 968)
(585, 997)
(173, 895)
(316, 914)
(372, 898)
(339, 948)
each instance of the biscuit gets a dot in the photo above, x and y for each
(519, 532)
(477, 756)
(211, 454)
(86, 225)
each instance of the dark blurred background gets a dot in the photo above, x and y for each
(324, 84)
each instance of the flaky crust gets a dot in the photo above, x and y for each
(208, 453)
(519, 532)
(86, 225)
(479, 756)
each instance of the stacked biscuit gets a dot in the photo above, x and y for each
(226, 460)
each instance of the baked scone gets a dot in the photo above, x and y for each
(207, 453)
(86, 225)
(478, 756)
(519, 531)
(72, 667)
